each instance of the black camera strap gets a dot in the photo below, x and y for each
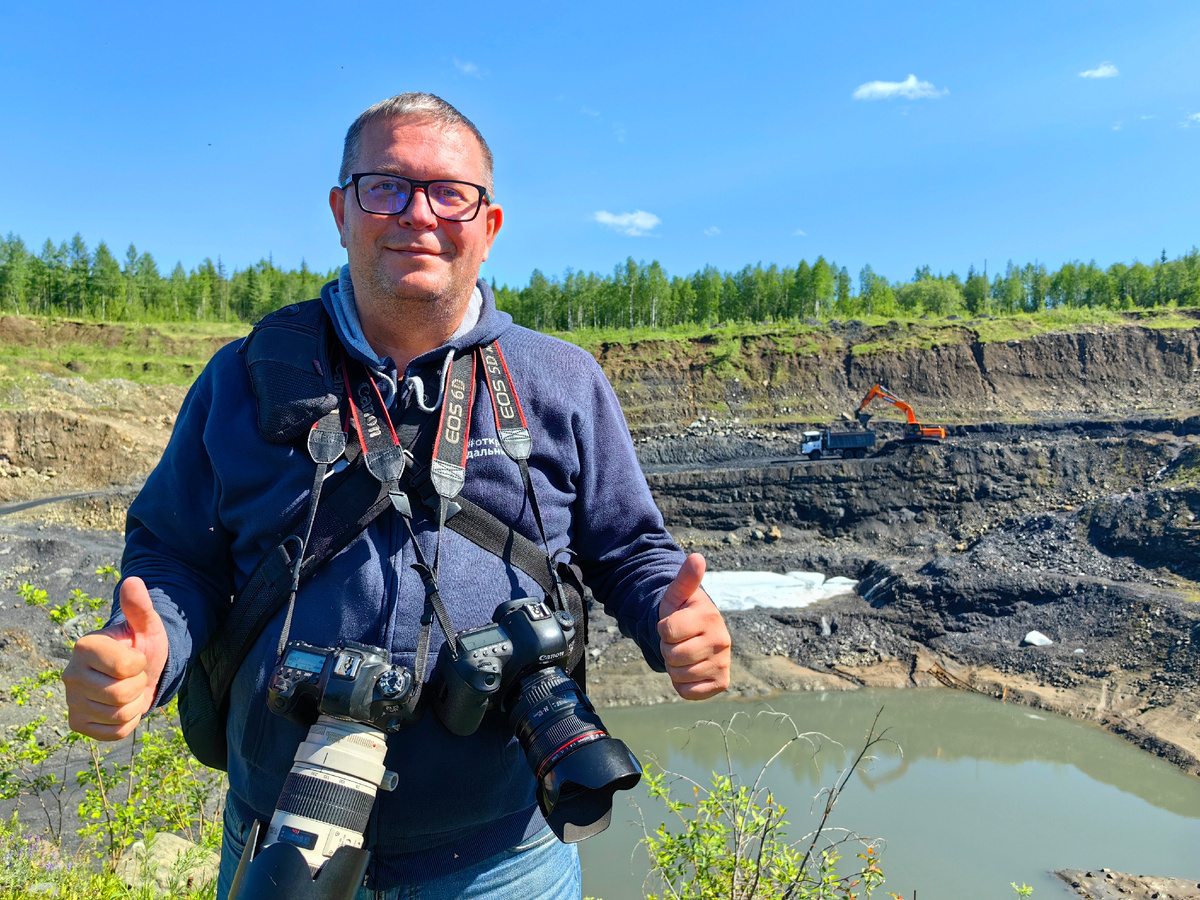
(448, 462)
(326, 444)
(386, 460)
(447, 468)
(511, 428)
(382, 454)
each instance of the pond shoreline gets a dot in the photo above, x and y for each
(789, 650)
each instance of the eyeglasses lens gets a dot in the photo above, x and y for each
(387, 195)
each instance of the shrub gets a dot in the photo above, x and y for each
(730, 839)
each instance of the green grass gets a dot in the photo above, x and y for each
(1027, 325)
(172, 353)
(95, 364)
(175, 352)
(1166, 318)
(909, 332)
(1185, 471)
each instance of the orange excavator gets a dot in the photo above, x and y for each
(914, 430)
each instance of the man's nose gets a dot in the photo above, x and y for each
(420, 211)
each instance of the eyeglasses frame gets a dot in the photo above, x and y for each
(485, 195)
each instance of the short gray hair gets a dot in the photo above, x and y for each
(424, 106)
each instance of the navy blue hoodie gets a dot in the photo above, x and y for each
(220, 498)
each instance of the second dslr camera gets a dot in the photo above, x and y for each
(514, 666)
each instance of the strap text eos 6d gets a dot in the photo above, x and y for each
(508, 413)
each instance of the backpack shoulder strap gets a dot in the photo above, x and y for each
(287, 354)
(350, 501)
(484, 530)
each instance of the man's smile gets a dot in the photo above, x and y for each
(417, 251)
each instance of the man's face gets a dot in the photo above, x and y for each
(415, 255)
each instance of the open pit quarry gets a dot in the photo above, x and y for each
(1064, 500)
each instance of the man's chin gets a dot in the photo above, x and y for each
(414, 289)
(418, 287)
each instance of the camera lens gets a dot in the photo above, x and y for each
(577, 763)
(327, 798)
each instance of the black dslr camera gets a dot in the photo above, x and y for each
(515, 666)
(349, 696)
(350, 681)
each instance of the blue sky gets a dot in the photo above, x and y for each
(690, 133)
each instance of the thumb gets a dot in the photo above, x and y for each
(686, 583)
(145, 629)
(142, 622)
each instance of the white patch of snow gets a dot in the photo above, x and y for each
(746, 590)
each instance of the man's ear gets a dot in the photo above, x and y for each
(493, 218)
(337, 203)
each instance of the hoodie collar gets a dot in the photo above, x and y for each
(482, 324)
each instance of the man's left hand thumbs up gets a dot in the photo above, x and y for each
(694, 639)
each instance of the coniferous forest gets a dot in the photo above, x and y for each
(70, 279)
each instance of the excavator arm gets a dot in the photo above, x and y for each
(913, 430)
(884, 394)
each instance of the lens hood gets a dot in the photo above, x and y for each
(280, 872)
(576, 795)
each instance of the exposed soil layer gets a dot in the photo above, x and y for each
(949, 374)
(918, 495)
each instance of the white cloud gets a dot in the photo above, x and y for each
(467, 68)
(1117, 127)
(619, 131)
(633, 224)
(1104, 70)
(909, 88)
(589, 112)
(1144, 118)
(1189, 121)
(712, 232)
(799, 233)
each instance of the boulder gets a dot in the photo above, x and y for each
(166, 863)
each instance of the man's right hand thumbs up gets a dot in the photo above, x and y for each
(113, 674)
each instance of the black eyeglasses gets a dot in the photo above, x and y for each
(388, 195)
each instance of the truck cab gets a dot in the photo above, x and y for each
(812, 445)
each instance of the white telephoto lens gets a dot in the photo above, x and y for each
(327, 798)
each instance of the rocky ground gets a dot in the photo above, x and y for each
(1090, 539)
(1105, 884)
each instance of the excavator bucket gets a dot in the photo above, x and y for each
(864, 418)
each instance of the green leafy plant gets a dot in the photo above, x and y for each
(127, 791)
(78, 604)
(37, 766)
(33, 596)
(23, 689)
(729, 837)
(35, 867)
(161, 788)
(108, 573)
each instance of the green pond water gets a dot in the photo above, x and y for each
(982, 794)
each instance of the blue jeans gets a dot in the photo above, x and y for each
(543, 868)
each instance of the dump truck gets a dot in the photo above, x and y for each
(847, 444)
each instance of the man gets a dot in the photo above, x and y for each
(415, 212)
